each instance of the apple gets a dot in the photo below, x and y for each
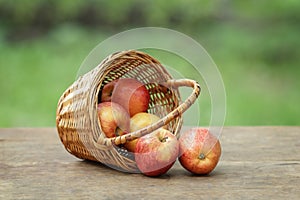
(114, 119)
(137, 122)
(108, 90)
(199, 151)
(129, 93)
(156, 152)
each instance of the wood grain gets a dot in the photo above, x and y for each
(256, 163)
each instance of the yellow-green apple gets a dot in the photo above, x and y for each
(199, 151)
(137, 122)
(129, 93)
(114, 119)
(156, 152)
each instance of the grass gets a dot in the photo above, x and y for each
(34, 73)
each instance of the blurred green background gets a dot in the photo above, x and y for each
(255, 45)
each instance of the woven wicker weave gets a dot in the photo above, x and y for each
(76, 118)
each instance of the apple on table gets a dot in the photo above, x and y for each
(156, 152)
(199, 151)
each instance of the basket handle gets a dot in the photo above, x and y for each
(165, 120)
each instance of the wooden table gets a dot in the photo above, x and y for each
(257, 163)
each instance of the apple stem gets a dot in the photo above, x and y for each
(164, 139)
(201, 156)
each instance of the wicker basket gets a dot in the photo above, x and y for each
(77, 121)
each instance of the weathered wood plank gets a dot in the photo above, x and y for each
(257, 163)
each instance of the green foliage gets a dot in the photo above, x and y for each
(116, 14)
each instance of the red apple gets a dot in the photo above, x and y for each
(107, 91)
(199, 151)
(129, 93)
(114, 119)
(156, 152)
(137, 122)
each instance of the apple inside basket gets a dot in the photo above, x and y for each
(81, 128)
